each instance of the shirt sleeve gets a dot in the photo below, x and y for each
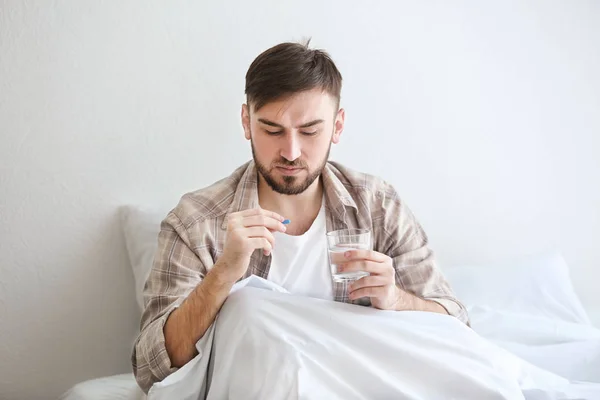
(405, 241)
(176, 271)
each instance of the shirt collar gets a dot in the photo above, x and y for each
(246, 193)
(337, 196)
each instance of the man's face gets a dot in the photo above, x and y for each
(291, 138)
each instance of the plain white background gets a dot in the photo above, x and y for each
(484, 116)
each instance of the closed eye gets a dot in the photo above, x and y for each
(273, 133)
(310, 133)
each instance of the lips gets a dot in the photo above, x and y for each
(289, 170)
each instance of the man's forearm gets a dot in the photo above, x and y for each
(190, 321)
(411, 302)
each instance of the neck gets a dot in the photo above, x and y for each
(301, 209)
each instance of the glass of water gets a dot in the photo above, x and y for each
(338, 242)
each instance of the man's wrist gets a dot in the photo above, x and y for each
(408, 301)
(432, 306)
(220, 276)
(404, 300)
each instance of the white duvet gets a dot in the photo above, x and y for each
(267, 344)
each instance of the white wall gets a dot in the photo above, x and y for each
(485, 117)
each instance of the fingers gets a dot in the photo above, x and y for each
(371, 291)
(377, 268)
(337, 257)
(260, 231)
(261, 243)
(263, 220)
(365, 255)
(368, 281)
(260, 211)
(252, 229)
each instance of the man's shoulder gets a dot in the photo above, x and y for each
(362, 184)
(210, 202)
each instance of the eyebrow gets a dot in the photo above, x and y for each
(306, 125)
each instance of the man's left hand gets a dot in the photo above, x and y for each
(380, 286)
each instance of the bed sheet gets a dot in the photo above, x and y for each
(408, 345)
(117, 387)
(570, 350)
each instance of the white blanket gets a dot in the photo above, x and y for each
(267, 344)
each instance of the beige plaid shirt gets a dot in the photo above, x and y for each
(192, 237)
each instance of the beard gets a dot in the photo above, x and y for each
(291, 185)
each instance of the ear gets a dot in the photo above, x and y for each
(246, 120)
(338, 125)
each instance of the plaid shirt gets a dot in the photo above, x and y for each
(193, 234)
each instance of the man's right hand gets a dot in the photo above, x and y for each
(247, 231)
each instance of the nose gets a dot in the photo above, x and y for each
(291, 147)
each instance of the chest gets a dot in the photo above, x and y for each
(298, 227)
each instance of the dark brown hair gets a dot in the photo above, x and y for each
(289, 68)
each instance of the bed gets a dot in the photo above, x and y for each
(525, 306)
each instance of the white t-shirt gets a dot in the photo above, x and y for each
(300, 263)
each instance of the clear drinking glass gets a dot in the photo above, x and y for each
(338, 242)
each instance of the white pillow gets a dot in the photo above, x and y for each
(140, 228)
(537, 285)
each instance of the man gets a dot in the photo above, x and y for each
(234, 228)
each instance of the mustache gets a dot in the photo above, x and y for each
(286, 163)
